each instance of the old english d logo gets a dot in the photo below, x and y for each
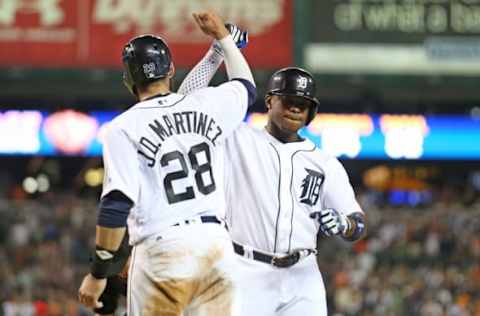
(311, 185)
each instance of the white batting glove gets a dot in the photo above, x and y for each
(332, 222)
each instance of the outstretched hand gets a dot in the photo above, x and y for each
(211, 24)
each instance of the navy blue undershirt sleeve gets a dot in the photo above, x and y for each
(251, 90)
(114, 209)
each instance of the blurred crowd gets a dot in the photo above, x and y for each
(415, 261)
(44, 251)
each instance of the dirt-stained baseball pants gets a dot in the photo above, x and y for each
(186, 270)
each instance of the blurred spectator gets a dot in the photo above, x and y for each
(415, 261)
(44, 251)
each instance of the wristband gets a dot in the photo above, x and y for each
(357, 229)
(101, 262)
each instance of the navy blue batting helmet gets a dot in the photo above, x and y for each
(294, 81)
(145, 58)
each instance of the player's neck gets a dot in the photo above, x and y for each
(282, 135)
(156, 88)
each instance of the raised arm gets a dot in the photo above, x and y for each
(236, 65)
(203, 72)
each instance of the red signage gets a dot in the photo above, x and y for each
(91, 33)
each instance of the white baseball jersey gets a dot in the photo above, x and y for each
(272, 187)
(163, 154)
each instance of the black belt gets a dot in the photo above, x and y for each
(203, 219)
(280, 262)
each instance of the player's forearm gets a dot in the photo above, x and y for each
(111, 225)
(200, 76)
(357, 228)
(109, 238)
(236, 65)
(107, 243)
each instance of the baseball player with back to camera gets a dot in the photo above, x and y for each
(281, 193)
(161, 162)
(117, 282)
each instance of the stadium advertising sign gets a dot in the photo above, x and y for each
(91, 33)
(396, 37)
(351, 136)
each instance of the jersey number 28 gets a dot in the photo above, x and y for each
(199, 169)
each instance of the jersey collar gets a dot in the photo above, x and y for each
(159, 95)
(305, 144)
(161, 100)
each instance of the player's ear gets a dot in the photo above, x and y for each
(171, 72)
(268, 100)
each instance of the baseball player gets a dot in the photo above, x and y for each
(161, 162)
(117, 283)
(281, 193)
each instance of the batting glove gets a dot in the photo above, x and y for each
(332, 222)
(239, 37)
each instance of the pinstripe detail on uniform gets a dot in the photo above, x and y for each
(130, 275)
(292, 194)
(278, 194)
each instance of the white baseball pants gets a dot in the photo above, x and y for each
(266, 290)
(186, 270)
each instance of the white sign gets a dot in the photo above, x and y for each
(20, 132)
(175, 17)
(49, 11)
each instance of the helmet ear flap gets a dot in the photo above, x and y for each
(312, 113)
